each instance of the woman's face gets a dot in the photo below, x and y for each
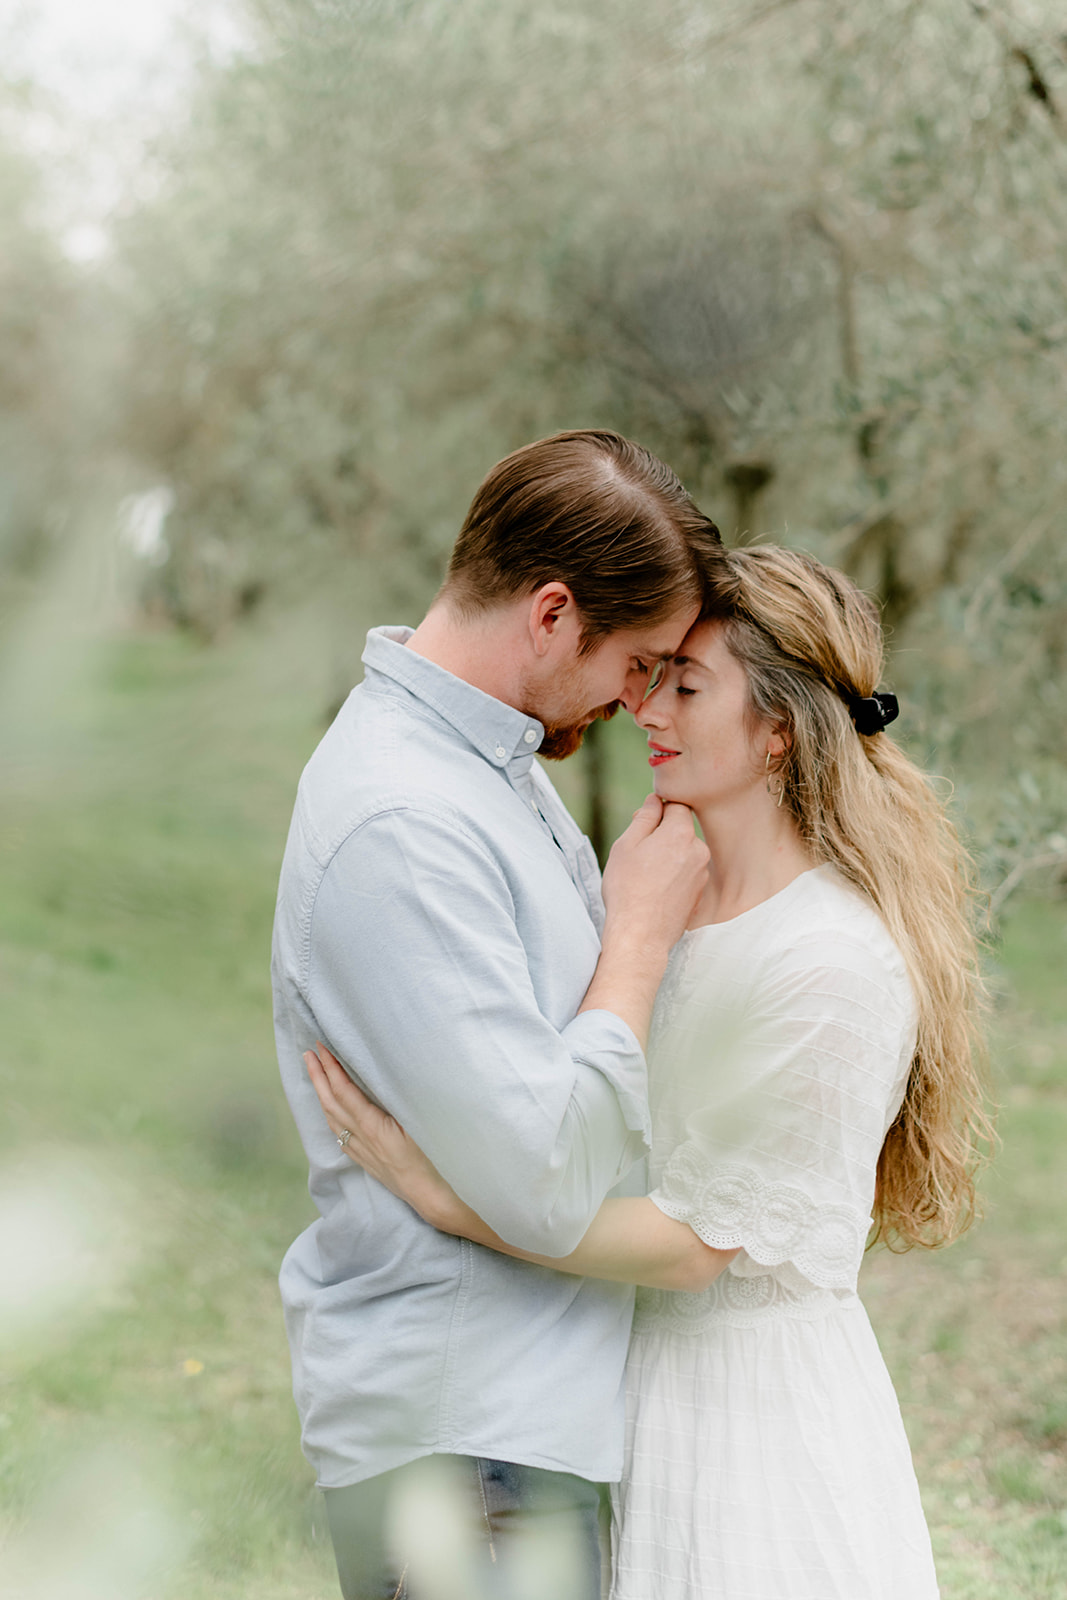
(704, 748)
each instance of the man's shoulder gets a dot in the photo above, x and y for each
(382, 758)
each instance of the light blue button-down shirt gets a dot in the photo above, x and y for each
(437, 926)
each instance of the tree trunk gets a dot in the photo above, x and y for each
(596, 788)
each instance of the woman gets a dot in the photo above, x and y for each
(811, 1069)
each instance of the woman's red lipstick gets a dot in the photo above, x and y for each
(660, 754)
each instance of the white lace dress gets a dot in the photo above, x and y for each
(766, 1457)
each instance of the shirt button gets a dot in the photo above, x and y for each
(501, 752)
(530, 736)
(533, 806)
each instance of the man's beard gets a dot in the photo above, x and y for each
(561, 742)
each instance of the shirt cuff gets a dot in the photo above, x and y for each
(603, 1041)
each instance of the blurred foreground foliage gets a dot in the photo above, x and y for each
(809, 251)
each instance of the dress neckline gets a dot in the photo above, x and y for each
(774, 900)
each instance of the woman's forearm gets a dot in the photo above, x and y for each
(628, 1241)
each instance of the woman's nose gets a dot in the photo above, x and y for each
(649, 713)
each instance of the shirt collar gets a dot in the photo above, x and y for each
(497, 731)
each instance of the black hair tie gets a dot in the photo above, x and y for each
(874, 713)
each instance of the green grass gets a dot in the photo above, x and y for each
(148, 1442)
(976, 1335)
(139, 863)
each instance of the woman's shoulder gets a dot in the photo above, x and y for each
(831, 907)
(832, 936)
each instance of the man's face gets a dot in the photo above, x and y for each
(615, 673)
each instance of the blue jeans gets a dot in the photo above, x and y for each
(514, 1533)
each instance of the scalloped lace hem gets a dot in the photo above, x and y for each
(774, 1223)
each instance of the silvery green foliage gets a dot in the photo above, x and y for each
(810, 252)
(37, 351)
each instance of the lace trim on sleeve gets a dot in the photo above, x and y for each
(773, 1222)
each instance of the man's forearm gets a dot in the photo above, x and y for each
(654, 875)
(626, 979)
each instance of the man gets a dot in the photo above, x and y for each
(439, 922)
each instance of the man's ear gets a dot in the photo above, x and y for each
(554, 618)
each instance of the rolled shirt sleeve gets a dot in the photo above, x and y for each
(418, 974)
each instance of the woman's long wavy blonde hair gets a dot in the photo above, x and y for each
(809, 641)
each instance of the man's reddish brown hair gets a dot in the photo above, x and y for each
(594, 511)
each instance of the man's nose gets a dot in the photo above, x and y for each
(632, 694)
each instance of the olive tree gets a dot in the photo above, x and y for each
(810, 252)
